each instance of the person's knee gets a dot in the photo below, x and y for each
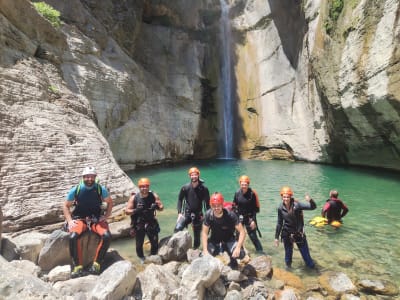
(73, 236)
(106, 236)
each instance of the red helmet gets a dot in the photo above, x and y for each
(286, 190)
(217, 198)
(143, 181)
(244, 178)
(194, 170)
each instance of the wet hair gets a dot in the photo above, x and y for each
(333, 193)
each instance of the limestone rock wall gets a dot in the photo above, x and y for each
(318, 89)
(48, 132)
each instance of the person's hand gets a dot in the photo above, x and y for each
(102, 219)
(236, 252)
(252, 225)
(72, 224)
(139, 208)
(308, 198)
(276, 243)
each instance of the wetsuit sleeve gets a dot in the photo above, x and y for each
(325, 209)
(345, 210)
(279, 224)
(256, 202)
(307, 206)
(71, 194)
(180, 199)
(207, 198)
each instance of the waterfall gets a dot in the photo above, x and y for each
(227, 131)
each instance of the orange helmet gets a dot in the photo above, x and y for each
(286, 190)
(194, 170)
(143, 181)
(244, 178)
(216, 198)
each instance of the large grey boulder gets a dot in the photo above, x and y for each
(19, 284)
(176, 246)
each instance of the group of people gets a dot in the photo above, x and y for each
(218, 225)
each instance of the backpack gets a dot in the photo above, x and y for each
(97, 187)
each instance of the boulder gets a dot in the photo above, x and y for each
(176, 246)
(336, 283)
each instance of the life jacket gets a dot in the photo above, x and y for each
(147, 215)
(87, 202)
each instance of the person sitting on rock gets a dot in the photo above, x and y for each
(222, 224)
(87, 199)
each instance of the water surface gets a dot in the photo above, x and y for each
(366, 245)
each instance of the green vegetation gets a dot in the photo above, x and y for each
(335, 8)
(48, 12)
(53, 89)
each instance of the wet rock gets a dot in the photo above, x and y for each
(377, 286)
(336, 283)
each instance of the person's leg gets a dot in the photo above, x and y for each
(288, 244)
(140, 234)
(305, 253)
(213, 248)
(197, 226)
(102, 230)
(152, 233)
(75, 247)
(254, 238)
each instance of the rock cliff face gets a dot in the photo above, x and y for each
(319, 84)
(126, 83)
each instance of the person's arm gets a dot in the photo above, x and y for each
(180, 200)
(207, 199)
(345, 210)
(325, 209)
(130, 205)
(310, 205)
(242, 234)
(204, 238)
(66, 210)
(109, 202)
(160, 206)
(278, 229)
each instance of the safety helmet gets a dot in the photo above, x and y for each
(194, 170)
(216, 198)
(143, 181)
(244, 178)
(89, 171)
(286, 190)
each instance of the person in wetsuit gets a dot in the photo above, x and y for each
(290, 226)
(222, 224)
(247, 205)
(334, 208)
(193, 198)
(142, 207)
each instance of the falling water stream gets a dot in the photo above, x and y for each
(226, 82)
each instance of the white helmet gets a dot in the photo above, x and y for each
(89, 171)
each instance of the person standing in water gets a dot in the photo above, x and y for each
(247, 205)
(193, 198)
(334, 208)
(290, 226)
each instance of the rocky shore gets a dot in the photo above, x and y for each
(36, 265)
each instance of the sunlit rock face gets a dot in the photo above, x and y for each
(308, 94)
